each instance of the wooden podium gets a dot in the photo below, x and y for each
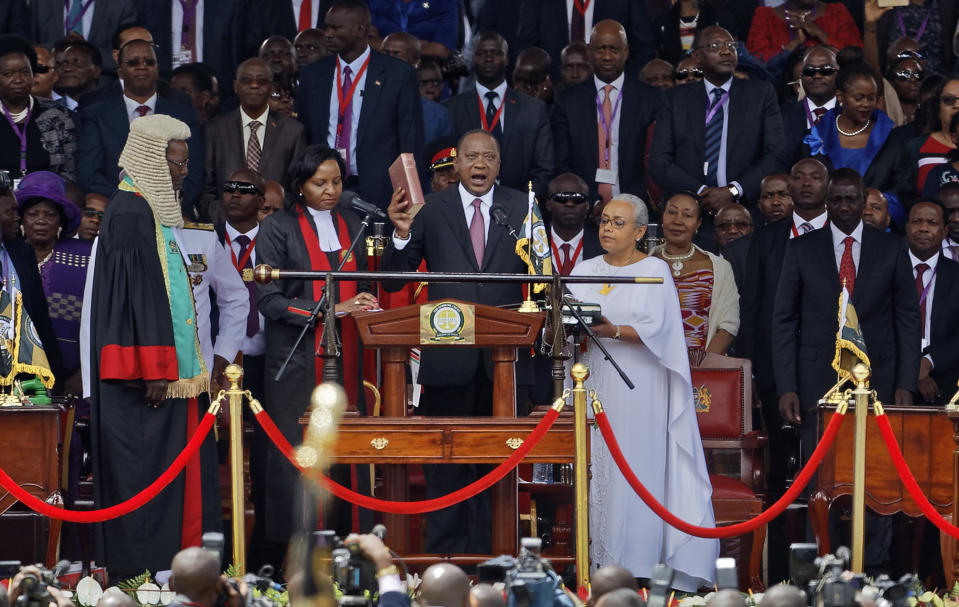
(394, 440)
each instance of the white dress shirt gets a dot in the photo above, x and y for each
(839, 246)
(357, 103)
(132, 106)
(614, 127)
(314, 12)
(246, 119)
(951, 248)
(558, 242)
(587, 18)
(256, 345)
(500, 91)
(928, 280)
(811, 106)
(177, 30)
(325, 231)
(466, 199)
(816, 222)
(721, 169)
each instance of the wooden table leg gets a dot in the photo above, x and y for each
(504, 493)
(395, 478)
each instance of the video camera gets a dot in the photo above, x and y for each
(33, 587)
(351, 570)
(213, 541)
(828, 583)
(528, 580)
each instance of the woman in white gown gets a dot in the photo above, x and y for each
(655, 424)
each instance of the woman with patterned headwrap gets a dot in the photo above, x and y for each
(147, 370)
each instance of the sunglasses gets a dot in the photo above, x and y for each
(907, 75)
(811, 70)
(571, 197)
(134, 63)
(243, 187)
(910, 55)
(683, 74)
(43, 69)
(90, 212)
(728, 225)
(949, 99)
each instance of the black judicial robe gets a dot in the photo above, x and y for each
(280, 244)
(131, 340)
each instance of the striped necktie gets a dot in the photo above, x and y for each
(714, 138)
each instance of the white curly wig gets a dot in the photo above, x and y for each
(144, 161)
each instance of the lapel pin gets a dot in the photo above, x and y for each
(426, 5)
(377, 83)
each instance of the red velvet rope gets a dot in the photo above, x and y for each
(910, 481)
(125, 507)
(731, 530)
(430, 505)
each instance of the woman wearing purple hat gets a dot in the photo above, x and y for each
(49, 218)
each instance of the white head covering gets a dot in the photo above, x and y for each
(144, 161)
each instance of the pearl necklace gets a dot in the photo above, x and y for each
(678, 260)
(853, 134)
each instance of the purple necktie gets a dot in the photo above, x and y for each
(478, 233)
(253, 318)
(346, 125)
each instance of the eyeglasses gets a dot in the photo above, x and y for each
(243, 187)
(279, 95)
(811, 70)
(715, 47)
(684, 73)
(177, 163)
(729, 225)
(569, 197)
(907, 75)
(910, 55)
(137, 62)
(91, 212)
(43, 69)
(949, 99)
(618, 224)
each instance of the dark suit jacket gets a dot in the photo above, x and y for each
(794, 128)
(527, 140)
(113, 88)
(737, 254)
(764, 261)
(14, 17)
(753, 145)
(283, 140)
(944, 331)
(102, 129)
(544, 23)
(805, 317)
(440, 236)
(575, 133)
(48, 21)
(224, 43)
(35, 302)
(666, 27)
(390, 121)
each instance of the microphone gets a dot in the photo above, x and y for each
(379, 530)
(365, 208)
(500, 217)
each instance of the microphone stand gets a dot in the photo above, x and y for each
(329, 318)
(559, 300)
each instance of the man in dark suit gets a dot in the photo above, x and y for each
(875, 269)
(937, 286)
(519, 123)
(103, 126)
(215, 38)
(284, 17)
(818, 77)
(631, 107)
(806, 187)
(552, 24)
(454, 232)
(572, 237)
(724, 158)
(250, 136)
(377, 120)
(95, 23)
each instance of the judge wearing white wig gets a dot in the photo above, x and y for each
(655, 423)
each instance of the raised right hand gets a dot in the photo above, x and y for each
(789, 407)
(399, 212)
(872, 11)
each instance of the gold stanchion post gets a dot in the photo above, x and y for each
(580, 373)
(862, 394)
(233, 374)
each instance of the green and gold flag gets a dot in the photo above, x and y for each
(534, 231)
(850, 345)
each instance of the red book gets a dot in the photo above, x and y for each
(403, 174)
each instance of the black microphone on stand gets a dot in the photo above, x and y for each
(366, 208)
(501, 218)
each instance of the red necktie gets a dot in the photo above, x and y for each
(306, 14)
(847, 267)
(577, 26)
(478, 233)
(920, 271)
(143, 110)
(819, 112)
(568, 263)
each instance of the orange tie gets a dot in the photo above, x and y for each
(605, 189)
